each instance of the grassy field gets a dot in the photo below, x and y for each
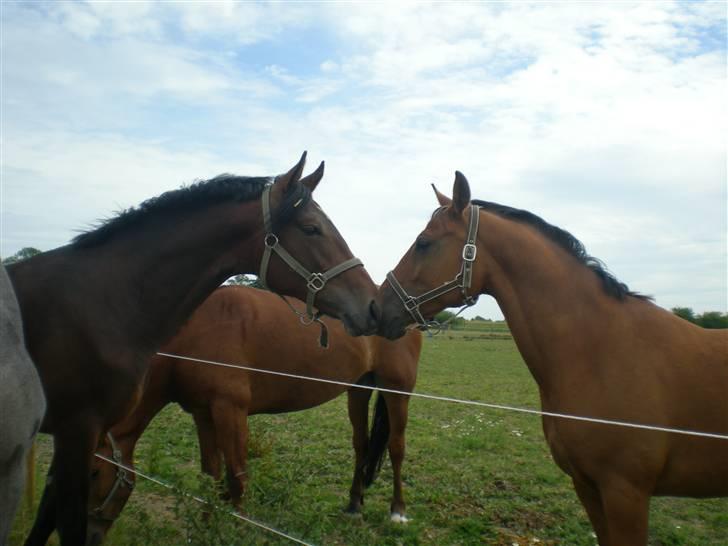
(472, 476)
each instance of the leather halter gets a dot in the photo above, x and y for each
(122, 478)
(462, 280)
(315, 282)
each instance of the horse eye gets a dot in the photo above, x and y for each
(422, 244)
(94, 473)
(311, 230)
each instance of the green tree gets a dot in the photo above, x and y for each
(245, 280)
(712, 319)
(684, 312)
(22, 254)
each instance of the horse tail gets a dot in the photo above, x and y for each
(378, 441)
(30, 479)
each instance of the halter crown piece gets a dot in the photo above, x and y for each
(315, 282)
(462, 280)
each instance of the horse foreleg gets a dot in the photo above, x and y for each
(45, 519)
(74, 447)
(626, 510)
(591, 500)
(231, 431)
(397, 406)
(358, 403)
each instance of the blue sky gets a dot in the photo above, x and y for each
(609, 121)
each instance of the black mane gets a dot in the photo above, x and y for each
(224, 187)
(568, 242)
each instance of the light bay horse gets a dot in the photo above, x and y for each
(255, 328)
(595, 349)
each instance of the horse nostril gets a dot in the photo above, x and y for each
(374, 311)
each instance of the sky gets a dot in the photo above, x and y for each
(605, 119)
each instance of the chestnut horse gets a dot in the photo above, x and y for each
(594, 348)
(255, 328)
(96, 310)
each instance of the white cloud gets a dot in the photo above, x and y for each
(610, 122)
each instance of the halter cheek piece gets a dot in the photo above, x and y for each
(462, 280)
(315, 282)
(122, 479)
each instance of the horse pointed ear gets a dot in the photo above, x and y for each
(312, 180)
(444, 200)
(460, 193)
(292, 176)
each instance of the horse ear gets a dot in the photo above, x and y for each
(443, 199)
(460, 193)
(292, 176)
(312, 180)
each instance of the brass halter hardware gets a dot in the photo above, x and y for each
(462, 280)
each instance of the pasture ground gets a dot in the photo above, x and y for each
(472, 475)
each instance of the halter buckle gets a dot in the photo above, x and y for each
(411, 304)
(271, 240)
(316, 282)
(470, 251)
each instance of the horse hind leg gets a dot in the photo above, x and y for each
(231, 431)
(358, 406)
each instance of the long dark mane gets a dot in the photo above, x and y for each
(200, 194)
(568, 242)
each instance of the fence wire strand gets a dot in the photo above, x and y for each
(459, 401)
(203, 501)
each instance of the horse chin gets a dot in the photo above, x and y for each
(355, 329)
(392, 330)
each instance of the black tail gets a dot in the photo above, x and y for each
(378, 441)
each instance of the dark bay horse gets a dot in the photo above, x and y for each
(96, 310)
(595, 349)
(22, 405)
(255, 328)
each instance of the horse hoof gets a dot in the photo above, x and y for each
(398, 518)
(353, 510)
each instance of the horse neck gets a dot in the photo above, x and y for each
(551, 302)
(156, 395)
(174, 264)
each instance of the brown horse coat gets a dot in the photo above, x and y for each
(596, 350)
(255, 328)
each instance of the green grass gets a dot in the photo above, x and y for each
(472, 475)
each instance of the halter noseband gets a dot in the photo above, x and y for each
(315, 282)
(121, 479)
(462, 280)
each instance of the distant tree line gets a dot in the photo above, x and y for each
(709, 319)
(20, 255)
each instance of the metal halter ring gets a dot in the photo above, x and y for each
(271, 240)
(470, 251)
(316, 282)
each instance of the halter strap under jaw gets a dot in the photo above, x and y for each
(315, 282)
(462, 280)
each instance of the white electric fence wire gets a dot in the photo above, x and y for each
(203, 501)
(458, 401)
